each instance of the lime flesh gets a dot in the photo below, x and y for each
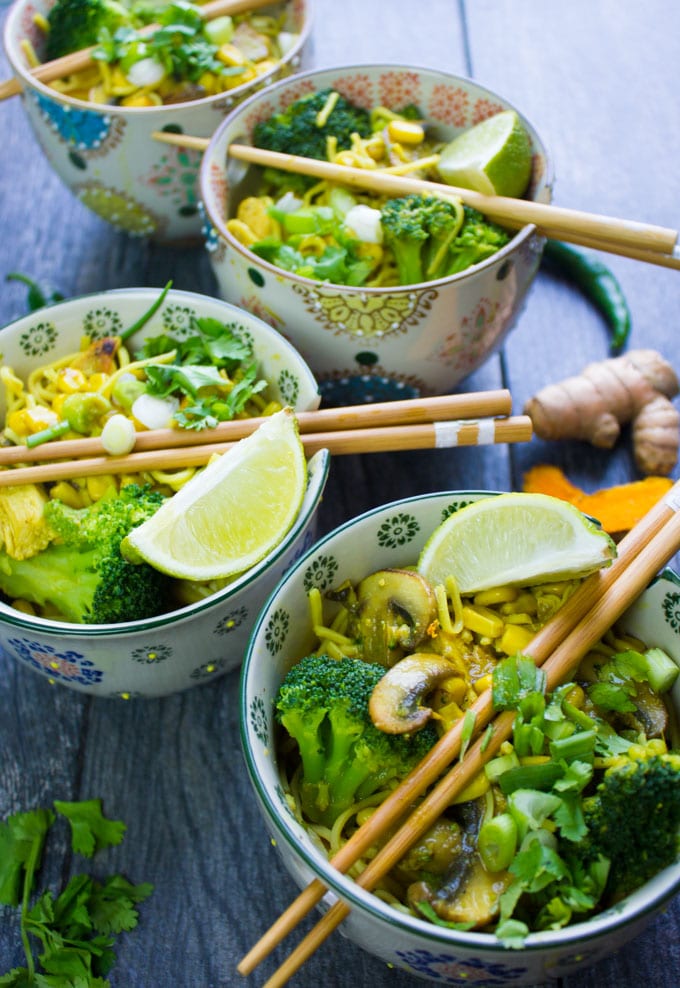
(493, 157)
(516, 539)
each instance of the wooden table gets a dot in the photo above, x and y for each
(599, 80)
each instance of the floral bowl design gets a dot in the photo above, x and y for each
(201, 641)
(106, 155)
(392, 536)
(375, 344)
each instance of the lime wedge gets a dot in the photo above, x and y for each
(493, 157)
(514, 539)
(232, 513)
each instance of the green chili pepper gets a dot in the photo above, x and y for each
(144, 318)
(596, 282)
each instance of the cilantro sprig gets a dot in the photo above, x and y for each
(76, 929)
(213, 373)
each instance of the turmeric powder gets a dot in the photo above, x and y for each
(634, 388)
(617, 508)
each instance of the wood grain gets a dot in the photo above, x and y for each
(594, 79)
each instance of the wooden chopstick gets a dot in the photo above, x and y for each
(58, 68)
(555, 221)
(439, 408)
(383, 439)
(638, 241)
(600, 586)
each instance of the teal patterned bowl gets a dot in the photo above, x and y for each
(106, 155)
(201, 641)
(376, 344)
(390, 536)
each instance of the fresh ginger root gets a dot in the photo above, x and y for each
(617, 508)
(636, 387)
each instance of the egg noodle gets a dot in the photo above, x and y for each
(255, 49)
(398, 146)
(474, 633)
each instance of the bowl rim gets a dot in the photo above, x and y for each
(317, 477)
(23, 73)
(215, 152)
(634, 907)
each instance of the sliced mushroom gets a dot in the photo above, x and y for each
(393, 611)
(650, 715)
(432, 854)
(469, 893)
(396, 701)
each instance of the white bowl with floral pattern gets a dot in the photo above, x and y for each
(367, 344)
(201, 641)
(392, 536)
(106, 154)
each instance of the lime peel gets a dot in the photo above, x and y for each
(233, 513)
(516, 539)
(494, 157)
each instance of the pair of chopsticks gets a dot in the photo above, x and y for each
(58, 68)
(557, 648)
(639, 241)
(444, 421)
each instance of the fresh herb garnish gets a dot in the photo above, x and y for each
(76, 928)
(213, 373)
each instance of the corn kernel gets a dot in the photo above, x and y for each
(97, 381)
(98, 486)
(455, 688)
(24, 606)
(70, 380)
(448, 715)
(514, 639)
(483, 683)
(230, 55)
(483, 621)
(63, 491)
(406, 131)
(241, 232)
(16, 421)
(139, 99)
(39, 418)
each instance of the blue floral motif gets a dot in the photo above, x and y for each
(68, 666)
(353, 389)
(451, 970)
(212, 240)
(82, 129)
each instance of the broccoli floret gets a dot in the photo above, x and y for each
(633, 820)
(303, 127)
(76, 24)
(478, 239)
(323, 705)
(83, 574)
(418, 230)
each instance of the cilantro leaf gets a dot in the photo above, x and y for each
(21, 842)
(112, 904)
(90, 830)
(513, 679)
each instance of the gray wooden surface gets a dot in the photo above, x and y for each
(599, 79)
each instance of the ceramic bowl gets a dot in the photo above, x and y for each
(198, 642)
(389, 536)
(367, 344)
(106, 155)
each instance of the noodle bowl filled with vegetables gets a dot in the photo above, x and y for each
(75, 603)
(184, 76)
(386, 296)
(365, 656)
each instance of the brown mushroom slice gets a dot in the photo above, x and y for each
(394, 609)
(477, 900)
(396, 705)
(650, 715)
